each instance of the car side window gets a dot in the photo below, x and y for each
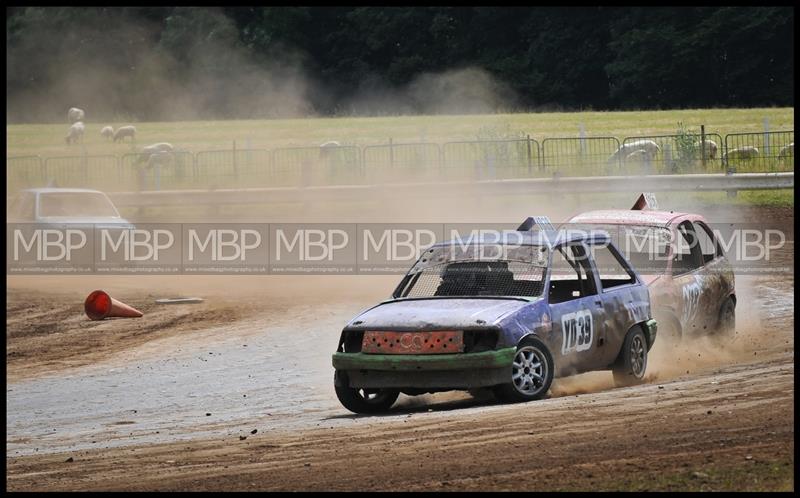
(571, 276)
(709, 246)
(611, 268)
(686, 255)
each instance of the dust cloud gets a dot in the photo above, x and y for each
(120, 70)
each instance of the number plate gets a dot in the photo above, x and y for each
(388, 342)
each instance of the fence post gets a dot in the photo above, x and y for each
(530, 158)
(235, 170)
(766, 138)
(582, 136)
(391, 154)
(703, 145)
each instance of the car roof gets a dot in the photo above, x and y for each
(50, 190)
(534, 237)
(628, 217)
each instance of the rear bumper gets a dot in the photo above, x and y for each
(441, 371)
(650, 329)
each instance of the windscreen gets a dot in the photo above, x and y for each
(477, 278)
(75, 204)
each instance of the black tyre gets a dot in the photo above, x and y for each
(726, 326)
(530, 374)
(632, 362)
(359, 400)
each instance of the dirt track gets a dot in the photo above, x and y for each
(163, 402)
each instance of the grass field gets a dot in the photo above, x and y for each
(48, 140)
(195, 136)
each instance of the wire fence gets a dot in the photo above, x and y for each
(589, 156)
(409, 162)
(759, 152)
(492, 159)
(24, 172)
(671, 154)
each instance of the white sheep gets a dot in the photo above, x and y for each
(746, 152)
(151, 150)
(107, 132)
(786, 151)
(640, 155)
(75, 133)
(326, 149)
(125, 131)
(711, 149)
(160, 158)
(74, 115)
(650, 147)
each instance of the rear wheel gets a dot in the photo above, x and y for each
(360, 400)
(531, 373)
(632, 362)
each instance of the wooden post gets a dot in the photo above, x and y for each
(703, 145)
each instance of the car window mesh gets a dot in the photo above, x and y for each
(479, 278)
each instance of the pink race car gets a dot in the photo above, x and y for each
(681, 260)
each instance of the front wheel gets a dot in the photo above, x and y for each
(531, 373)
(632, 363)
(360, 400)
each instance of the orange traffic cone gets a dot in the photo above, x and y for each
(100, 305)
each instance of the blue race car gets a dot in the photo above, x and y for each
(508, 314)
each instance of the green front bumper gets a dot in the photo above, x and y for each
(411, 362)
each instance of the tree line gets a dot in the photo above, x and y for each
(150, 63)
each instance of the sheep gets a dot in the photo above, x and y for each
(746, 152)
(160, 158)
(125, 131)
(650, 147)
(107, 132)
(786, 151)
(326, 149)
(640, 155)
(75, 132)
(74, 115)
(151, 150)
(711, 149)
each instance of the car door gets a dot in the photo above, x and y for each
(576, 311)
(622, 296)
(715, 277)
(687, 261)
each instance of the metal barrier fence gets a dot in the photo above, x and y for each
(24, 172)
(581, 156)
(492, 159)
(759, 152)
(671, 154)
(331, 165)
(83, 171)
(410, 162)
(232, 168)
(167, 170)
